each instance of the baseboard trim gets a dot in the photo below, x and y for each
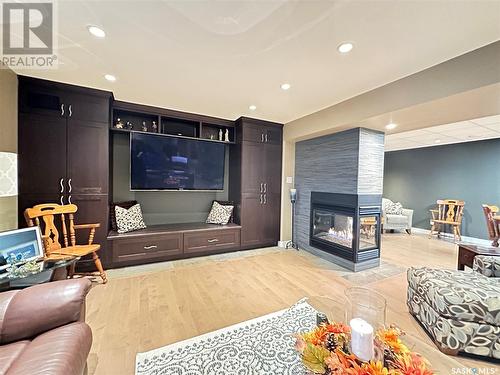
(449, 236)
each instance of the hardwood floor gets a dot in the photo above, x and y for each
(146, 307)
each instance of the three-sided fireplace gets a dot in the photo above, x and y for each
(346, 225)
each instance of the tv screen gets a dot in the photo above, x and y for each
(168, 163)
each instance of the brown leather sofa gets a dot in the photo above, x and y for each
(42, 329)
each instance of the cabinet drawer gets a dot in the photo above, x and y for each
(211, 240)
(148, 247)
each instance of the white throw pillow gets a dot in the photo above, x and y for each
(128, 220)
(219, 214)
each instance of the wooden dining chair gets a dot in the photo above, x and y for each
(448, 212)
(492, 225)
(48, 214)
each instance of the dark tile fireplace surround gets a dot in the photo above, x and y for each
(346, 225)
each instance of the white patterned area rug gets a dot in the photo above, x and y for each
(261, 346)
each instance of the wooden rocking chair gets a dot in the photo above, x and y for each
(492, 225)
(449, 212)
(53, 248)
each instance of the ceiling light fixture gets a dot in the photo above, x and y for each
(110, 77)
(96, 31)
(391, 126)
(437, 141)
(345, 47)
(252, 107)
(285, 86)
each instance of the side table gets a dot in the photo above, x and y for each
(467, 253)
(48, 270)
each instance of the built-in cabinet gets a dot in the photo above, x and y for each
(65, 157)
(255, 181)
(173, 241)
(64, 151)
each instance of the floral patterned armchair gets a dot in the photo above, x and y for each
(395, 217)
(459, 310)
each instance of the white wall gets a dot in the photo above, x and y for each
(473, 70)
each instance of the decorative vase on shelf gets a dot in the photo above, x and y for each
(144, 127)
(220, 134)
(226, 135)
(155, 127)
(119, 123)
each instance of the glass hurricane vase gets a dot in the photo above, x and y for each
(365, 312)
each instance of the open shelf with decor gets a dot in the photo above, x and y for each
(124, 120)
(129, 117)
(217, 132)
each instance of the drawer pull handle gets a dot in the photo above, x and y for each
(213, 240)
(150, 247)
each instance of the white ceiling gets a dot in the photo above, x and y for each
(219, 57)
(463, 131)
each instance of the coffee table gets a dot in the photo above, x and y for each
(467, 253)
(48, 270)
(440, 362)
(262, 346)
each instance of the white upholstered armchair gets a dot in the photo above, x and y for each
(395, 217)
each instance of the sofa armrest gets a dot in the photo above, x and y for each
(487, 265)
(409, 214)
(29, 312)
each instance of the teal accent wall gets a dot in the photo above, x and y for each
(468, 171)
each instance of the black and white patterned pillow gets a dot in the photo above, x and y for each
(394, 208)
(219, 214)
(128, 220)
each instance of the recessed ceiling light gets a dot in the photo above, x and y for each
(110, 77)
(345, 47)
(437, 141)
(391, 126)
(252, 107)
(96, 31)
(285, 86)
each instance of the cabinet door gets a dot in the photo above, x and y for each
(42, 154)
(251, 219)
(252, 168)
(88, 153)
(272, 174)
(271, 219)
(253, 133)
(88, 107)
(91, 209)
(41, 100)
(272, 135)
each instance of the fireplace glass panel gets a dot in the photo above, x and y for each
(333, 227)
(368, 232)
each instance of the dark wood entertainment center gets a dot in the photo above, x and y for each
(65, 156)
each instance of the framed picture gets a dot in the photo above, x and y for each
(21, 245)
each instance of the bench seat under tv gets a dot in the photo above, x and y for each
(173, 241)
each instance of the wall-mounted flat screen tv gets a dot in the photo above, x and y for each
(159, 162)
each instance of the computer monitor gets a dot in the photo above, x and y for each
(21, 245)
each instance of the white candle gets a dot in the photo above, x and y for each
(361, 339)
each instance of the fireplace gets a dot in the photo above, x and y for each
(346, 225)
